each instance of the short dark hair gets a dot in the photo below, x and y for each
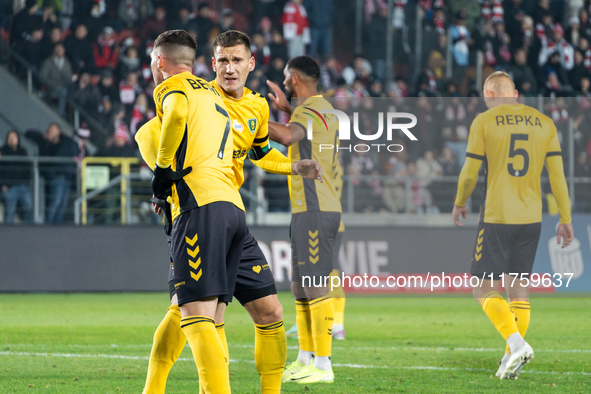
(306, 65)
(176, 37)
(179, 45)
(232, 38)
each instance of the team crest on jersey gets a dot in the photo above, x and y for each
(238, 126)
(252, 125)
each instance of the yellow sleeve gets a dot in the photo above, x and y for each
(148, 140)
(475, 148)
(274, 162)
(468, 180)
(175, 108)
(557, 180)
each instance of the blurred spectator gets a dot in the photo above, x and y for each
(30, 47)
(552, 85)
(554, 66)
(277, 46)
(183, 20)
(329, 76)
(79, 50)
(87, 96)
(433, 75)
(265, 27)
(56, 75)
(579, 71)
(107, 86)
(360, 69)
(94, 18)
(296, 30)
(201, 68)
(59, 176)
(105, 50)
(226, 21)
(393, 195)
(561, 46)
(50, 39)
(320, 14)
(376, 35)
(205, 27)
(49, 18)
(15, 178)
(129, 89)
(154, 25)
(119, 145)
(522, 72)
(461, 41)
(26, 21)
(81, 138)
(448, 162)
(368, 192)
(260, 50)
(134, 12)
(128, 62)
(275, 72)
(140, 114)
(454, 132)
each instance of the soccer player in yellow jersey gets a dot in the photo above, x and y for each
(316, 216)
(255, 287)
(513, 141)
(209, 225)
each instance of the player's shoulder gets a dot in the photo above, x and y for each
(256, 101)
(173, 84)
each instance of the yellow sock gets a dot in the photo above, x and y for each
(208, 353)
(304, 323)
(221, 329)
(497, 310)
(522, 311)
(270, 355)
(168, 345)
(321, 314)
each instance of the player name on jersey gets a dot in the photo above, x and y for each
(516, 120)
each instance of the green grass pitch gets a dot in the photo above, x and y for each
(100, 343)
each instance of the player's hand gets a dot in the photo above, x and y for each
(456, 212)
(278, 97)
(162, 206)
(309, 169)
(565, 233)
(156, 207)
(163, 180)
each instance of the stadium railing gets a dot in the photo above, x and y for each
(118, 191)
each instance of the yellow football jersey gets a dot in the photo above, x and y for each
(205, 142)
(249, 119)
(513, 141)
(309, 194)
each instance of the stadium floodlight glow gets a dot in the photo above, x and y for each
(345, 126)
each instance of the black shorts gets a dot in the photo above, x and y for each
(255, 279)
(505, 248)
(336, 265)
(313, 236)
(206, 245)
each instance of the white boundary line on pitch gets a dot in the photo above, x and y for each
(361, 366)
(406, 348)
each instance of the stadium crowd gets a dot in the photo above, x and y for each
(95, 53)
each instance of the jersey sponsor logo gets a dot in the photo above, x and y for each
(252, 125)
(239, 153)
(237, 126)
(515, 120)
